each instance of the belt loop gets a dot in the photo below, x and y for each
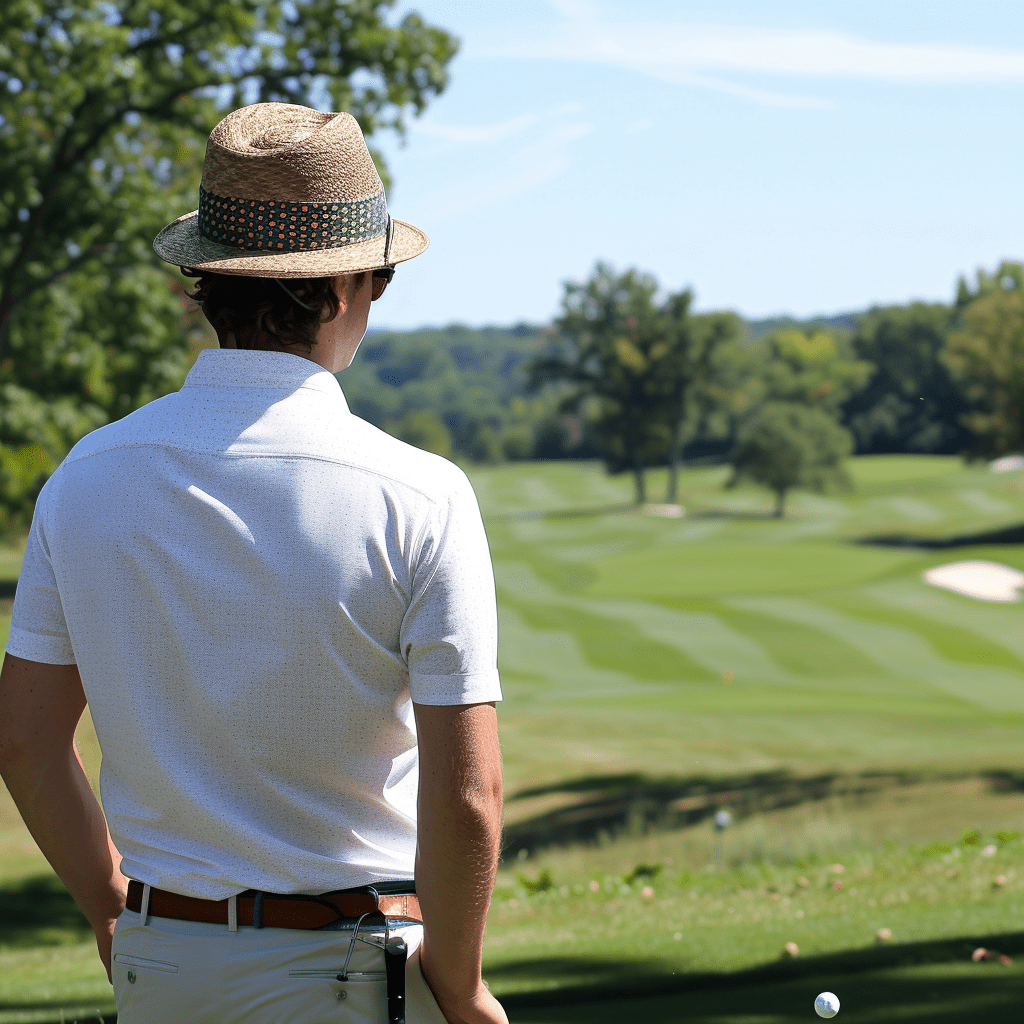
(233, 913)
(144, 906)
(257, 910)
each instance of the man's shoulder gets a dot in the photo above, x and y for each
(131, 429)
(401, 463)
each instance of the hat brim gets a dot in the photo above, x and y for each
(181, 243)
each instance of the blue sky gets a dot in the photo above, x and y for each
(778, 157)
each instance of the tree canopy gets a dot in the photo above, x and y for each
(789, 445)
(104, 110)
(986, 355)
(633, 364)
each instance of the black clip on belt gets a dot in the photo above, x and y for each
(395, 954)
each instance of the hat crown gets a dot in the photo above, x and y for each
(283, 151)
(288, 191)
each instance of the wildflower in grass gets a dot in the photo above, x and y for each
(1005, 960)
(802, 882)
(790, 949)
(837, 885)
(883, 935)
(647, 892)
(595, 885)
(999, 881)
(981, 953)
(989, 851)
(837, 869)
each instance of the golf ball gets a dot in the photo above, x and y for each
(827, 1004)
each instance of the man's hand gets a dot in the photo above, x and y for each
(458, 838)
(40, 707)
(480, 1007)
(104, 941)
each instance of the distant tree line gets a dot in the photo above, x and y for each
(636, 379)
(639, 379)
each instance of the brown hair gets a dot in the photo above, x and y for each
(259, 313)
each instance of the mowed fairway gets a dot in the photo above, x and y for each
(728, 641)
(657, 667)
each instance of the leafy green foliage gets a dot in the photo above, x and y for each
(986, 356)
(455, 391)
(910, 403)
(631, 365)
(104, 109)
(812, 367)
(789, 445)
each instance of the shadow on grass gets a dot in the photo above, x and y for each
(611, 805)
(7, 589)
(39, 911)
(904, 981)
(1004, 535)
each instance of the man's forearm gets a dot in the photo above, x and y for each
(59, 807)
(43, 773)
(459, 830)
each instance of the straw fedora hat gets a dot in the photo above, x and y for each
(288, 191)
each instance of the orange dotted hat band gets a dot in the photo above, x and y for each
(276, 226)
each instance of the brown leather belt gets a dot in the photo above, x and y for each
(271, 910)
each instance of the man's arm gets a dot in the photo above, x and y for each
(459, 835)
(40, 707)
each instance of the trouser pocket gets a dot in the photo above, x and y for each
(145, 990)
(139, 963)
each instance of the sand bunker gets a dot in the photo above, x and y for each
(1007, 464)
(667, 511)
(986, 581)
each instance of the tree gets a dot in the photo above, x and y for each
(986, 355)
(609, 338)
(789, 445)
(814, 367)
(911, 402)
(685, 370)
(104, 108)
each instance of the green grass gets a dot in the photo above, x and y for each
(618, 628)
(656, 668)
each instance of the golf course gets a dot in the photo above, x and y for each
(660, 664)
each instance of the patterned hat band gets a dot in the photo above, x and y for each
(277, 226)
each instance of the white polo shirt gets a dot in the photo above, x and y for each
(255, 585)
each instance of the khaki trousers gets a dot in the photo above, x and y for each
(184, 972)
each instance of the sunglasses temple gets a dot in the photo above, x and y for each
(387, 241)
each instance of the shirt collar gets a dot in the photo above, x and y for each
(249, 368)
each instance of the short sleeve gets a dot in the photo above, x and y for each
(38, 629)
(449, 634)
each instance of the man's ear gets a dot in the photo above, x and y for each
(344, 286)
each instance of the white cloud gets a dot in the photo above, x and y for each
(533, 165)
(473, 134)
(686, 54)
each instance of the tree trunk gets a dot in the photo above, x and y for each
(675, 458)
(639, 480)
(780, 504)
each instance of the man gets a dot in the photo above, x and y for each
(283, 623)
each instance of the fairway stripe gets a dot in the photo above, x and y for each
(999, 625)
(702, 637)
(900, 652)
